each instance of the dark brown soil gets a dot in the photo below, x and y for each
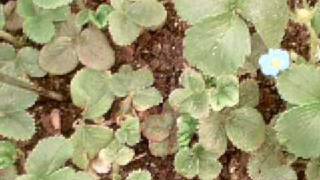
(161, 51)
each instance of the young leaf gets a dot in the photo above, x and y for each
(146, 98)
(139, 175)
(118, 25)
(51, 4)
(94, 50)
(2, 17)
(48, 156)
(225, 94)
(187, 128)
(300, 85)
(58, 57)
(39, 29)
(269, 17)
(157, 128)
(8, 155)
(249, 93)
(147, 13)
(246, 129)
(117, 153)
(195, 11)
(101, 17)
(90, 91)
(313, 170)
(129, 133)
(212, 135)
(298, 130)
(87, 142)
(224, 42)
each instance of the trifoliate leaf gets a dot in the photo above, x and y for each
(218, 45)
(225, 94)
(2, 17)
(212, 135)
(164, 148)
(157, 128)
(139, 175)
(90, 91)
(8, 155)
(313, 170)
(51, 4)
(300, 85)
(147, 13)
(195, 11)
(185, 101)
(7, 53)
(129, 132)
(101, 17)
(87, 142)
(269, 17)
(117, 153)
(8, 174)
(94, 50)
(127, 81)
(187, 128)
(58, 14)
(58, 57)
(197, 161)
(26, 8)
(27, 61)
(39, 29)
(249, 93)
(192, 80)
(298, 130)
(118, 26)
(15, 99)
(146, 98)
(246, 129)
(48, 156)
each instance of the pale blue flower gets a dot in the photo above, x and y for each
(274, 62)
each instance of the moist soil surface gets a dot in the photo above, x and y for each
(161, 51)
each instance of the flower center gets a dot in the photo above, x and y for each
(276, 63)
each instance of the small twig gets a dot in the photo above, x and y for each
(11, 39)
(24, 85)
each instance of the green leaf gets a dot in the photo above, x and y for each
(58, 14)
(139, 175)
(186, 164)
(300, 85)
(313, 170)
(83, 176)
(127, 81)
(146, 98)
(49, 155)
(117, 153)
(195, 11)
(87, 142)
(64, 173)
(8, 155)
(192, 80)
(27, 59)
(218, 45)
(7, 53)
(118, 26)
(129, 132)
(2, 17)
(90, 91)
(147, 13)
(185, 101)
(27, 177)
(246, 129)
(58, 57)
(94, 50)
(316, 21)
(101, 17)
(69, 28)
(51, 4)
(187, 128)
(249, 93)
(269, 17)
(212, 135)
(26, 8)
(39, 29)
(225, 94)
(298, 130)
(158, 127)
(82, 17)
(17, 125)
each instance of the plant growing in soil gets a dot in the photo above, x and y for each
(99, 18)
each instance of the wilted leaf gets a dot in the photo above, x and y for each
(165, 147)
(157, 128)
(249, 93)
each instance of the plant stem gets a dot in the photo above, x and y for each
(11, 39)
(24, 85)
